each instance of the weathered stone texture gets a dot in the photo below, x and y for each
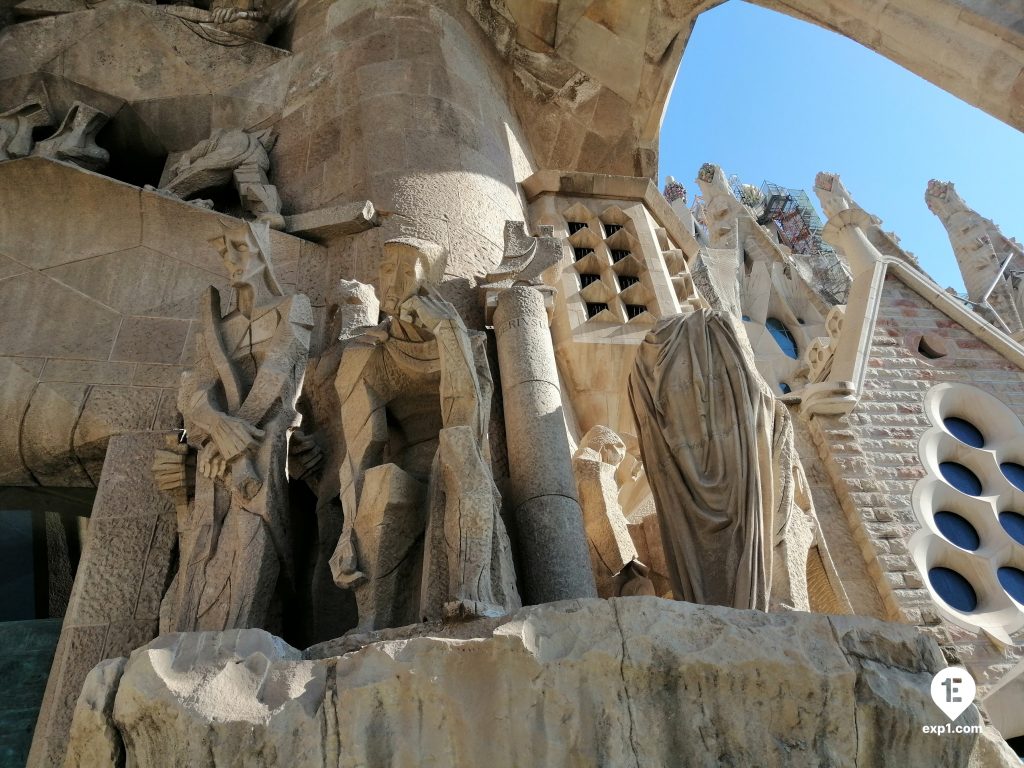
(625, 682)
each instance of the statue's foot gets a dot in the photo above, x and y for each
(465, 610)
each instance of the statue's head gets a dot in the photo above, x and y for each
(353, 305)
(605, 442)
(245, 251)
(409, 263)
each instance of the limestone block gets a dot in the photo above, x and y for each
(95, 742)
(628, 681)
(16, 387)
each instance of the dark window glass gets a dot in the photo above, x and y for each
(1014, 473)
(961, 478)
(1013, 524)
(634, 310)
(576, 226)
(964, 431)
(611, 229)
(957, 530)
(625, 281)
(588, 279)
(618, 255)
(595, 308)
(953, 588)
(746, 318)
(784, 388)
(782, 336)
(580, 253)
(1012, 580)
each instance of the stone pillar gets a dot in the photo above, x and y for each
(115, 602)
(553, 557)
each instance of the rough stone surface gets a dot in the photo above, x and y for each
(624, 682)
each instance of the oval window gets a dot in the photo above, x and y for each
(957, 530)
(1012, 580)
(1013, 524)
(953, 588)
(1014, 473)
(964, 431)
(961, 478)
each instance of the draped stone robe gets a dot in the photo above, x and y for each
(717, 448)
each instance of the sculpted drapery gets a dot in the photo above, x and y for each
(718, 451)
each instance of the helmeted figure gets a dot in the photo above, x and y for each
(238, 403)
(415, 404)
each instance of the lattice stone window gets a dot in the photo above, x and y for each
(608, 257)
(970, 549)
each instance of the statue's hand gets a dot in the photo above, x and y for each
(430, 311)
(211, 463)
(224, 15)
(169, 470)
(234, 436)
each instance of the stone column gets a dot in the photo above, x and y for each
(553, 557)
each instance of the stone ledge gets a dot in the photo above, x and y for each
(622, 682)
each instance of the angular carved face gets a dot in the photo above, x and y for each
(242, 258)
(400, 279)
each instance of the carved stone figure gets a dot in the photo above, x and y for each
(234, 22)
(613, 555)
(718, 449)
(352, 309)
(16, 126)
(990, 262)
(415, 401)
(231, 155)
(238, 403)
(75, 139)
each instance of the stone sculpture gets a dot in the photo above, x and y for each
(352, 309)
(613, 555)
(234, 22)
(16, 126)
(235, 156)
(718, 449)
(238, 403)
(75, 139)
(415, 403)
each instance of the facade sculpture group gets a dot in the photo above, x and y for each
(410, 524)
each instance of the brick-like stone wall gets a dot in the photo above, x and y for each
(872, 454)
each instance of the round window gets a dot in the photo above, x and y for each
(957, 530)
(1014, 473)
(964, 431)
(1013, 524)
(1012, 580)
(953, 588)
(961, 478)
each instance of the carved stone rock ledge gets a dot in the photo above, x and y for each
(627, 681)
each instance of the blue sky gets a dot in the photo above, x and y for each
(769, 97)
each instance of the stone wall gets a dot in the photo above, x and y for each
(872, 454)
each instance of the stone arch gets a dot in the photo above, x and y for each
(591, 80)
